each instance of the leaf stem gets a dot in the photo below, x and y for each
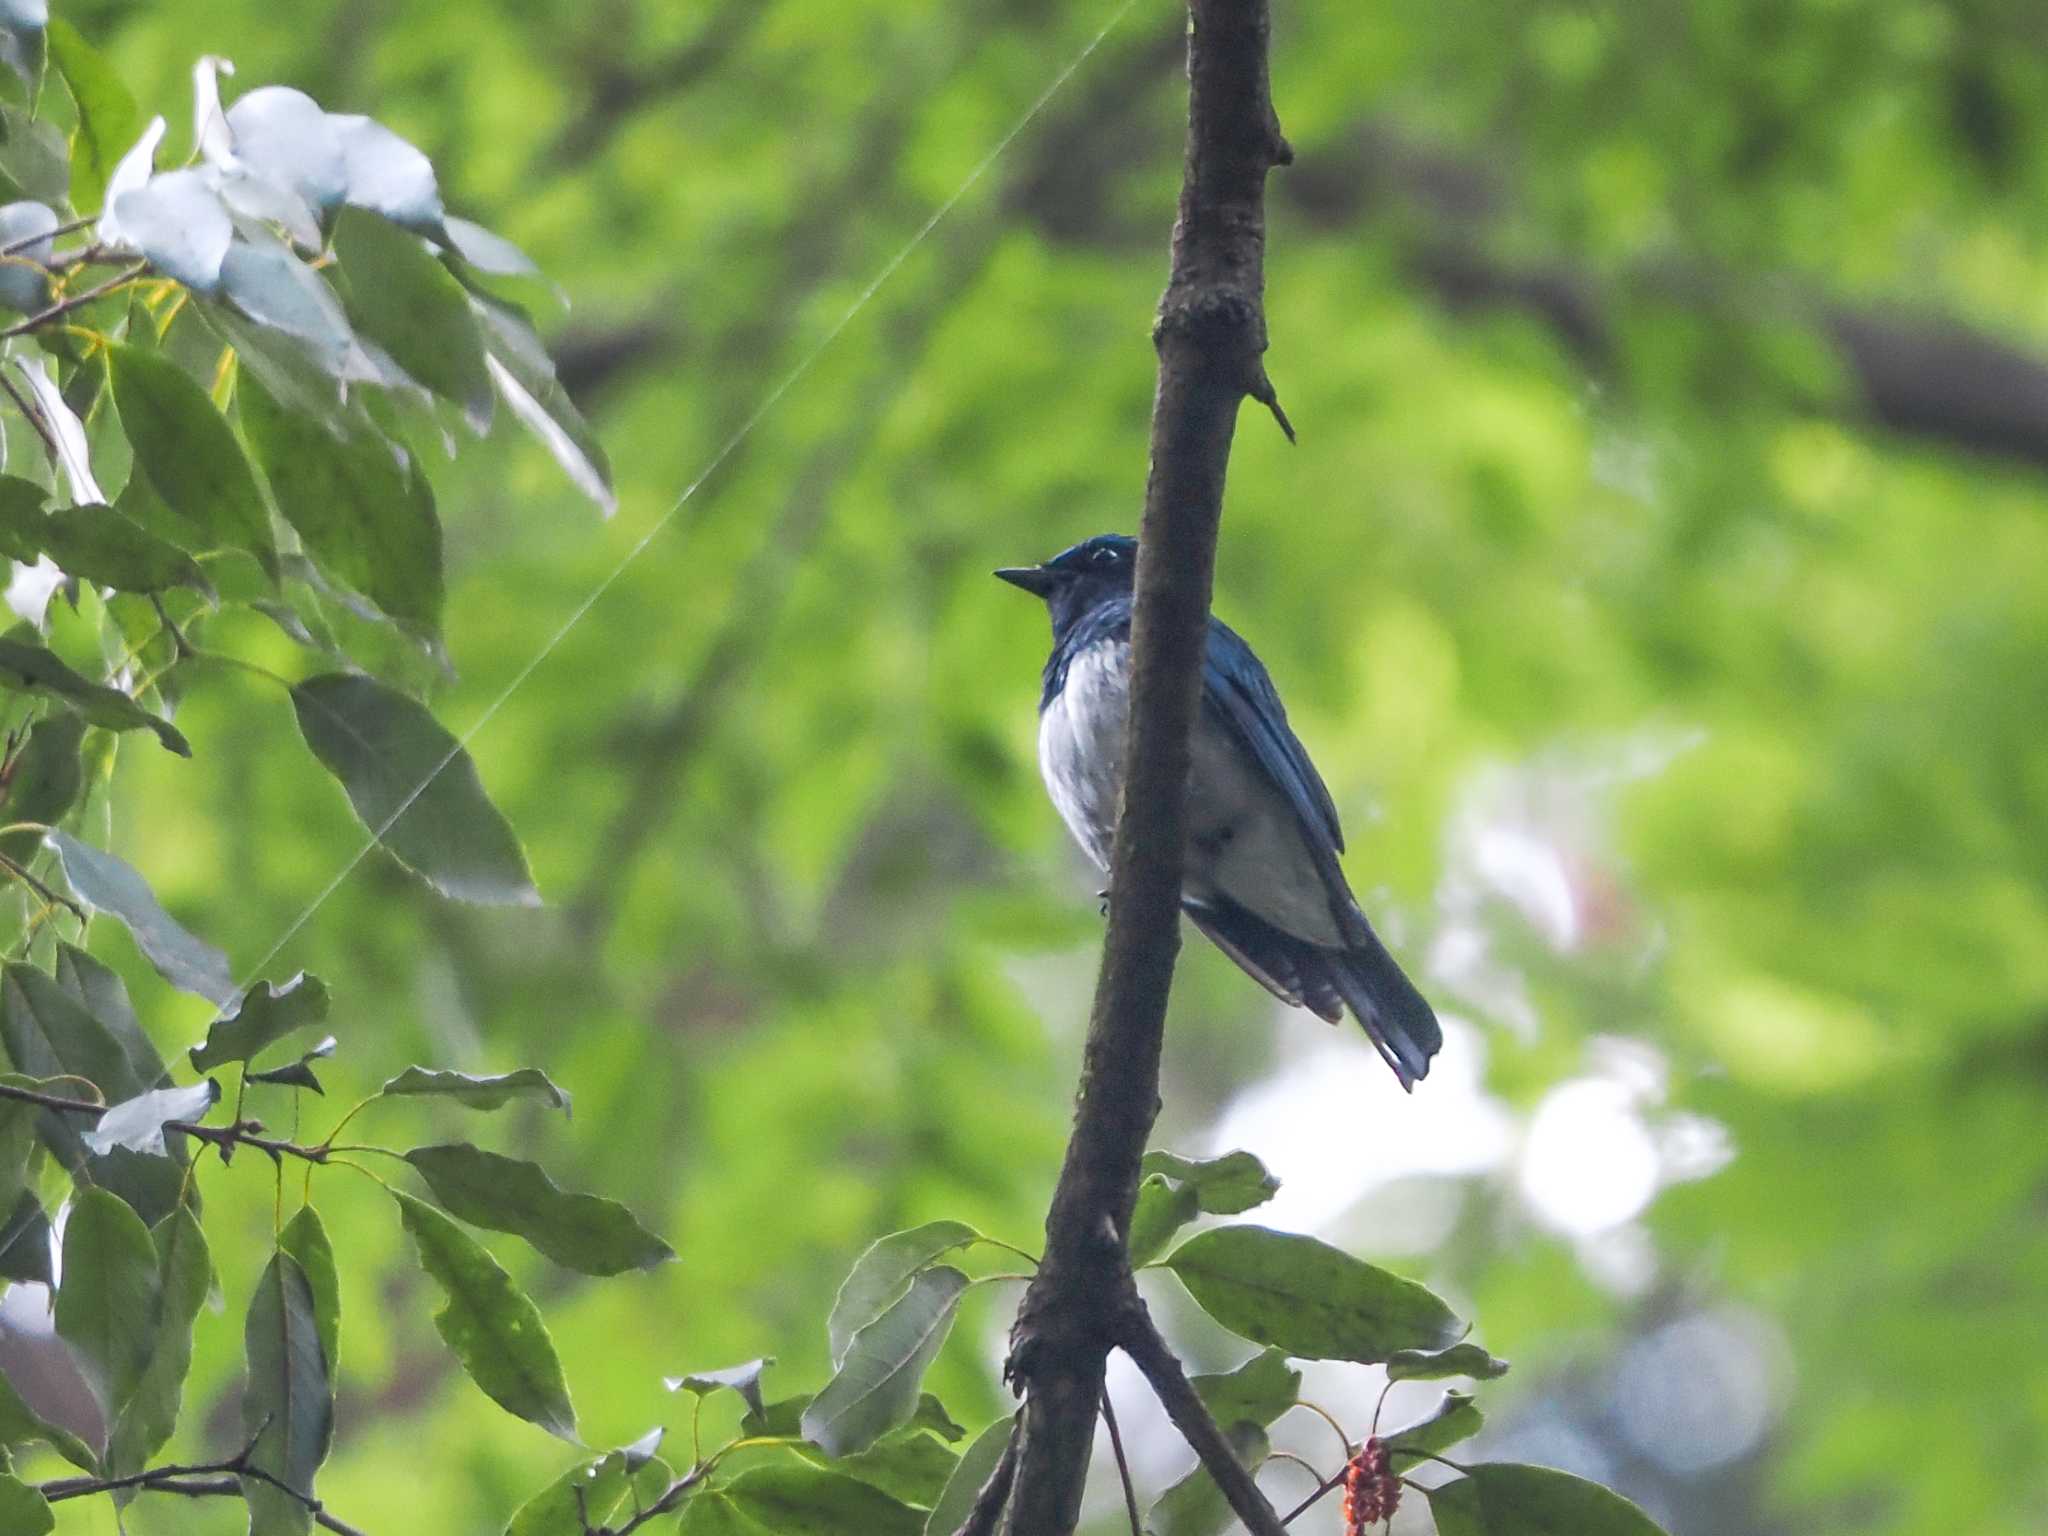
(64, 306)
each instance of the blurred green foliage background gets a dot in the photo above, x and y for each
(1661, 582)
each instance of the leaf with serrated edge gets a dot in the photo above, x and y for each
(1223, 1186)
(1307, 1298)
(881, 1274)
(876, 1388)
(489, 1323)
(266, 1015)
(583, 1232)
(479, 1092)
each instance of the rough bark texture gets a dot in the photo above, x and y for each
(1210, 336)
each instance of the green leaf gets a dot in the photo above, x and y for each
(908, 1464)
(494, 1330)
(364, 511)
(1509, 1499)
(17, 1141)
(930, 1414)
(1435, 1365)
(880, 1275)
(1307, 1298)
(112, 885)
(414, 787)
(266, 1015)
(525, 377)
(587, 1233)
(977, 1463)
(1163, 1208)
(49, 1033)
(288, 1404)
(479, 1092)
(794, 1497)
(1257, 1392)
(781, 1419)
(138, 1123)
(1195, 1506)
(23, 1510)
(184, 1275)
(19, 1423)
(95, 543)
(99, 987)
(109, 1304)
(708, 1512)
(189, 455)
(108, 119)
(1224, 1185)
(298, 1074)
(305, 1238)
(586, 1497)
(1454, 1419)
(48, 776)
(876, 1388)
(30, 668)
(743, 1379)
(403, 299)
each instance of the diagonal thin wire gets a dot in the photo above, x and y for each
(759, 414)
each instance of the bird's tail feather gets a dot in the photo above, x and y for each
(1397, 1017)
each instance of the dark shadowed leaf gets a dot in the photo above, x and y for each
(494, 1330)
(288, 1404)
(266, 1016)
(1163, 1208)
(19, 1423)
(94, 543)
(108, 119)
(509, 1194)
(794, 1497)
(23, 1510)
(1454, 1419)
(881, 1274)
(109, 1304)
(1257, 1392)
(105, 995)
(298, 1074)
(111, 885)
(402, 298)
(525, 376)
(1195, 1506)
(743, 1379)
(27, 1244)
(1508, 1499)
(876, 1388)
(184, 1274)
(1307, 1298)
(186, 449)
(24, 284)
(49, 1033)
(1435, 1365)
(1224, 1185)
(138, 1123)
(364, 515)
(414, 786)
(48, 776)
(977, 1462)
(480, 1092)
(17, 1140)
(305, 1239)
(35, 668)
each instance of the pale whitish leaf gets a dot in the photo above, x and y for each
(248, 196)
(30, 588)
(881, 1274)
(490, 1324)
(386, 174)
(130, 174)
(263, 279)
(479, 1092)
(414, 786)
(23, 283)
(110, 885)
(25, 15)
(288, 1404)
(209, 124)
(743, 1379)
(73, 457)
(525, 377)
(876, 1388)
(177, 222)
(138, 1123)
(977, 1462)
(283, 135)
(487, 251)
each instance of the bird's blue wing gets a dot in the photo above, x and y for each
(1237, 689)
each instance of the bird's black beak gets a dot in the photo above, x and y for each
(1035, 579)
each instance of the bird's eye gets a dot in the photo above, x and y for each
(1104, 556)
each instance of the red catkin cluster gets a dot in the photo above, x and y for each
(1371, 1491)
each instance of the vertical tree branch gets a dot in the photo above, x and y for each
(1210, 337)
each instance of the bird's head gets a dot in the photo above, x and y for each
(1075, 580)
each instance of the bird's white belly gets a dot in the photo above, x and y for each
(1244, 839)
